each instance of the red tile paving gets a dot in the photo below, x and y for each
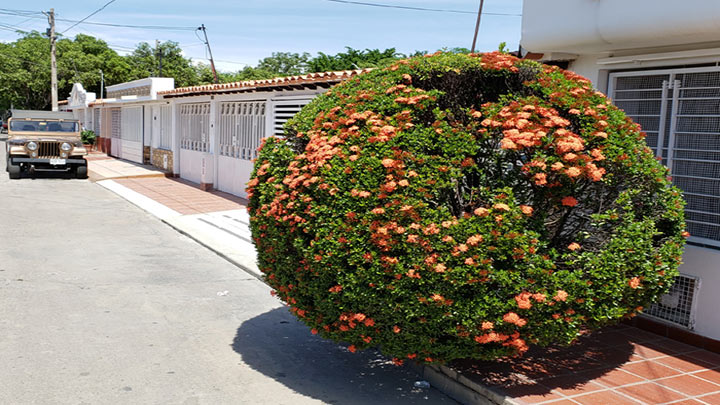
(617, 365)
(651, 393)
(183, 196)
(711, 399)
(604, 398)
(689, 385)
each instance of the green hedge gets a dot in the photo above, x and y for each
(463, 206)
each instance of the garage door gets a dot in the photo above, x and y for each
(131, 147)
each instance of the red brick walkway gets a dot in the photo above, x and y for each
(183, 196)
(618, 365)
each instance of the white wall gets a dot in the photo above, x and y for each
(586, 66)
(705, 263)
(582, 26)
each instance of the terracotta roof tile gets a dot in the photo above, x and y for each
(310, 78)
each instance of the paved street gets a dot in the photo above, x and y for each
(101, 303)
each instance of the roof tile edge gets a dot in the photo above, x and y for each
(308, 78)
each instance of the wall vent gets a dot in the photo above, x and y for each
(283, 111)
(678, 305)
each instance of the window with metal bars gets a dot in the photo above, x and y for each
(679, 109)
(241, 127)
(195, 126)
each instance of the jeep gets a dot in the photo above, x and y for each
(44, 141)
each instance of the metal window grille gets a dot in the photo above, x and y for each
(241, 127)
(678, 305)
(96, 121)
(132, 124)
(165, 127)
(284, 110)
(679, 109)
(195, 126)
(116, 122)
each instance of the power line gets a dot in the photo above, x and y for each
(440, 10)
(91, 14)
(19, 12)
(146, 27)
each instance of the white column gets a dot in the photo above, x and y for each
(175, 138)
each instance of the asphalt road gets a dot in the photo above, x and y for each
(101, 303)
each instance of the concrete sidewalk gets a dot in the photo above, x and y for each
(619, 365)
(103, 167)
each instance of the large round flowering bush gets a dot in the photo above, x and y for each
(463, 206)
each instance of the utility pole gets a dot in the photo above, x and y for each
(212, 62)
(477, 27)
(158, 55)
(53, 62)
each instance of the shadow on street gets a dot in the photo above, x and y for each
(279, 346)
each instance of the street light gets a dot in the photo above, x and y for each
(102, 84)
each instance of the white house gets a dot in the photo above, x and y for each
(659, 60)
(78, 103)
(206, 134)
(124, 119)
(218, 128)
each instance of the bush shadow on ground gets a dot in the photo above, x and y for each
(282, 348)
(543, 370)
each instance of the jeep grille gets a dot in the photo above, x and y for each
(48, 149)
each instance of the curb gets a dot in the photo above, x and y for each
(462, 389)
(217, 252)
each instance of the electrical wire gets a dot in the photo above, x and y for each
(147, 27)
(440, 10)
(91, 14)
(19, 12)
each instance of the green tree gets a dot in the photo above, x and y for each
(145, 62)
(25, 72)
(251, 73)
(285, 63)
(352, 59)
(25, 68)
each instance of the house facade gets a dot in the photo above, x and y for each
(219, 127)
(205, 134)
(660, 62)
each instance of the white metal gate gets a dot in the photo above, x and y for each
(241, 126)
(679, 110)
(194, 128)
(115, 131)
(131, 147)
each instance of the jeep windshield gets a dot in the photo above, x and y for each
(43, 126)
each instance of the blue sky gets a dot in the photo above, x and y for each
(242, 32)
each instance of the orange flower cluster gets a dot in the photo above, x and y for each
(513, 318)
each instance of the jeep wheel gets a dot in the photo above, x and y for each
(13, 170)
(81, 172)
